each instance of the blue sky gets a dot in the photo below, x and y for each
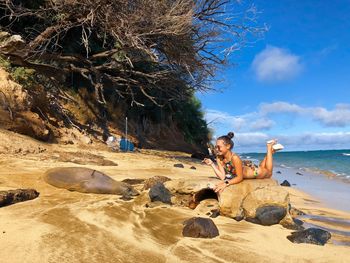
(293, 84)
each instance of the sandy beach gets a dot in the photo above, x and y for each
(64, 226)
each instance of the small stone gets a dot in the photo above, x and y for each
(314, 236)
(298, 173)
(278, 172)
(199, 227)
(215, 213)
(285, 183)
(179, 165)
(193, 168)
(150, 182)
(159, 193)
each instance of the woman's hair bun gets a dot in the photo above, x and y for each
(230, 135)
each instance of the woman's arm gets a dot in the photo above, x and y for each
(218, 169)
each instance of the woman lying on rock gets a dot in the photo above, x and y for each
(230, 168)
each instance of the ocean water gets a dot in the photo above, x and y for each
(329, 162)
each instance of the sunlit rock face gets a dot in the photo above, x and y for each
(258, 201)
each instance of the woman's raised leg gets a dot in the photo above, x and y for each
(269, 160)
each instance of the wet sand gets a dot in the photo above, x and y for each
(64, 226)
(329, 190)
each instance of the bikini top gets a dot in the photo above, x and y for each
(229, 169)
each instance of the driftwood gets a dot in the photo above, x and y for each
(15, 196)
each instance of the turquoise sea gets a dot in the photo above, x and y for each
(329, 162)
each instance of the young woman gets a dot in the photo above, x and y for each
(230, 168)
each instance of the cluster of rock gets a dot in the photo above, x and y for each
(258, 201)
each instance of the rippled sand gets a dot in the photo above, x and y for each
(63, 226)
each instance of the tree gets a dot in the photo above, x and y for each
(159, 50)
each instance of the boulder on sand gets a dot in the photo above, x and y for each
(314, 236)
(232, 197)
(259, 201)
(266, 206)
(268, 215)
(159, 193)
(199, 227)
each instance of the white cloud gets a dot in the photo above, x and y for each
(250, 139)
(215, 117)
(247, 122)
(338, 117)
(280, 107)
(318, 139)
(276, 64)
(251, 142)
(262, 124)
(249, 135)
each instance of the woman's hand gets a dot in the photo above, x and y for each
(220, 187)
(207, 161)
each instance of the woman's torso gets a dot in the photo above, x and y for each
(229, 167)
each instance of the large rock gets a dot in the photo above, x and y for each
(190, 186)
(159, 193)
(267, 206)
(199, 227)
(232, 197)
(19, 195)
(268, 215)
(259, 201)
(311, 235)
(266, 196)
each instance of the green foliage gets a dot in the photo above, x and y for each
(190, 119)
(5, 64)
(21, 75)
